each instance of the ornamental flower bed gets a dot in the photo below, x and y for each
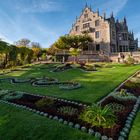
(45, 81)
(121, 115)
(70, 112)
(62, 68)
(88, 68)
(111, 120)
(51, 106)
(132, 85)
(70, 85)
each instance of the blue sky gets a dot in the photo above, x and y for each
(44, 21)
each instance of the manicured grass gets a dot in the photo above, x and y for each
(23, 125)
(135, 131)
(95, 85)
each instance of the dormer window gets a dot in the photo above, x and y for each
(77, 28)
(85, 15)
(97, 23)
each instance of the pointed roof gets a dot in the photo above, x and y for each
(112, 15)
(86, 5)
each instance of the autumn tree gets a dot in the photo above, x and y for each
(4, 50)
(78, 41)
(74, 52)
(23, 42)
(36, 50)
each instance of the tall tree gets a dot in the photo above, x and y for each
(24, 52)
(52, 50)
(23, 42)
(13, 54)
(5, 49)
(36, 50)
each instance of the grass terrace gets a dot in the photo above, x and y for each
(23, 125)
(95, 85)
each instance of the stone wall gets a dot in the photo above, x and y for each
(117, 58)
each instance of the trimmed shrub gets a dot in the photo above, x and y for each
(13, 95)
(4, 92)
(123, 95)
(70, 85)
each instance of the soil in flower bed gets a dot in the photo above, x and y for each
(121, 116)
(30, 100)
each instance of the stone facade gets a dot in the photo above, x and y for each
(109, 35)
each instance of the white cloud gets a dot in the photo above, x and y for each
(37, 6)
(5, 38)
(15, 28)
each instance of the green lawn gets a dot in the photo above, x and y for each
(95, 85)
(16, 124)
(23, 125)
(135, 131)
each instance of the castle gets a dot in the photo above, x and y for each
(109, 35)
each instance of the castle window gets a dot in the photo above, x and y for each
(86, 25)
(98, 47)
(124, 35)
(97, 23)
(85, 15)
(77, 28)
(97, 34)
(113, 35)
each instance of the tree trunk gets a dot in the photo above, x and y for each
(5, 61)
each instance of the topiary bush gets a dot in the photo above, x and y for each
(15, 80)
(123, 95)
(70, 85)
(13, 95)
(4, 92)
(45, 81)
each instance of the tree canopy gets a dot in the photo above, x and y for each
(23, 52)
(67, 42)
